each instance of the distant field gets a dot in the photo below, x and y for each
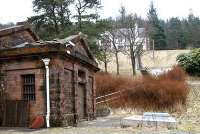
(162, 59)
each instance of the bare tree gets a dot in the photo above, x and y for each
(113, 36)
(134, 40)
(105, 47)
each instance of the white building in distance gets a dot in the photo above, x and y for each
(122, 42)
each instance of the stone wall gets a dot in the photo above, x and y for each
(14, 71)
(80, 48)
(64, 88)
(2, 94)
(68, 95)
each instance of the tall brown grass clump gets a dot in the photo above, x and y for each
(148, 92)
(107, 83)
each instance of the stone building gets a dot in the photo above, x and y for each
(24, 80)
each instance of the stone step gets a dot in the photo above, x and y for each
(150, 119)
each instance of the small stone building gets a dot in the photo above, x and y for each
(23, 78)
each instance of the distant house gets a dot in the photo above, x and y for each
(118, 36)
(122, 42)
(54, 79)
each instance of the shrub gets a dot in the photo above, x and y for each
(148, 92)
(107, 83)
(190, 62)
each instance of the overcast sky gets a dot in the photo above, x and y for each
(19, 10)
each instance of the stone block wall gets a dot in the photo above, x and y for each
(64, 89)
(14, 89)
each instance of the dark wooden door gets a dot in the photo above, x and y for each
(81, 101)
(2, 112)
(16, 114)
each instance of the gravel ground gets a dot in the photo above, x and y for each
(107, 125)
(86, 130)
(188, 122)
(189, 119)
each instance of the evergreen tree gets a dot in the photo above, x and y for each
(155, 29)
(175, 36)
(82, 6)
(193, 31)
(53, 20)
(52, 16)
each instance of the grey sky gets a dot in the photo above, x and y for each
(19, 10)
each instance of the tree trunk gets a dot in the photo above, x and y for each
(56, 27)
(79, 21)
(106, 66)
(132, 60)
(138, 57)
(117, 62)
(105, 62)
(139, 61)
(55, 20)
(62, 18)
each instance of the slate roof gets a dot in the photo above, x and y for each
(18, 28)
(53, 46)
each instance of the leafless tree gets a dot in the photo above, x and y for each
(113, 36)
(134, 40)
(105, 47)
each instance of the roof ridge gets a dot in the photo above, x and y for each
(17, 28)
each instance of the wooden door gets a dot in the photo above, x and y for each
(16, 114)
(81, 101)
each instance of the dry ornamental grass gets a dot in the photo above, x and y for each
(148, 92)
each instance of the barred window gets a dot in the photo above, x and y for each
(29, 87)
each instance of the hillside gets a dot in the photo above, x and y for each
(162, 59)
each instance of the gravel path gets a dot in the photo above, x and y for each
(108, 125)
(193, 82)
